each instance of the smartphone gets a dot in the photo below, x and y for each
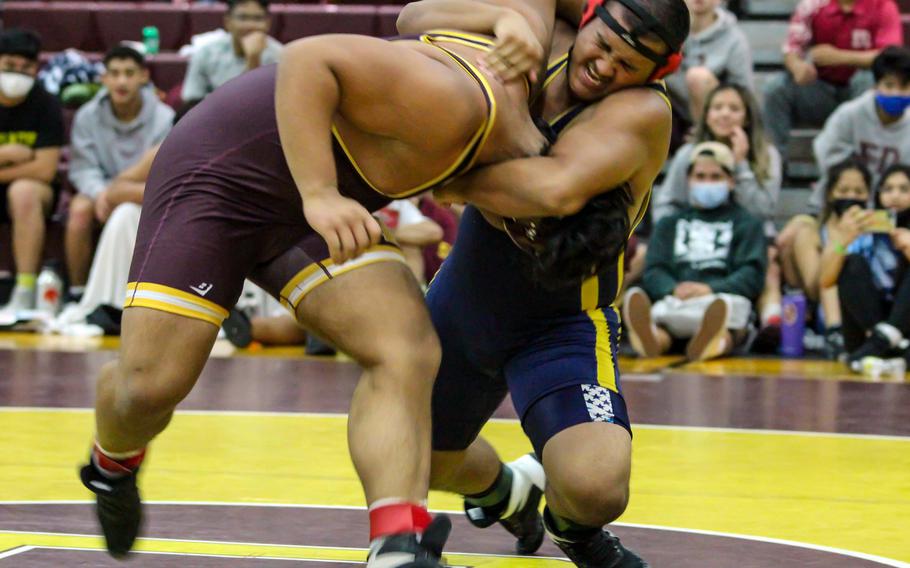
(882, 221)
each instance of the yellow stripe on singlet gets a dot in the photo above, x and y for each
(555, 68)
(174, 301)
(603, 344)
(472, 149)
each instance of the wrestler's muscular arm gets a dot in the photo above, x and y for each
(522, 28)
(624, 139)
(368, 81)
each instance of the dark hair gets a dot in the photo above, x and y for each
(834, 174)
(124, 52)
(893, 60)
(231, 4)
(673, 14)
(17, 41)
(892, 169)
(567, 250)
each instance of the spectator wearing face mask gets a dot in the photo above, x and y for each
(31, 134)
(704, 269)
(829, 48)
(869, 266)
(874, 128)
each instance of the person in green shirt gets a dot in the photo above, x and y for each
(704, 269)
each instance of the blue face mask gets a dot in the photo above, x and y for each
(892, 105)
(708, 194)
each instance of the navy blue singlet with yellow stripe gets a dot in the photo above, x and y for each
(555, 352)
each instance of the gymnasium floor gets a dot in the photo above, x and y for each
(741, 463)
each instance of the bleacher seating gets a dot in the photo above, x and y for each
(95, 26)
(301, 20)
(119, 21)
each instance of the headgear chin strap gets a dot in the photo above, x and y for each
(666, 64)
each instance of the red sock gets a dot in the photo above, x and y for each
(116, 466)
(389, 517)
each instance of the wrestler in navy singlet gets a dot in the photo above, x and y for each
(554, 351)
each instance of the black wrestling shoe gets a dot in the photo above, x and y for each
(520, 513)
(118, 508)
(411, 552)
(597, 548)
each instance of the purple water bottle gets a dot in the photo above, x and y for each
(793, 325)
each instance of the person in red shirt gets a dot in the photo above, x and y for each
(828, 51)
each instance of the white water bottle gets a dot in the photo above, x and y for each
(49, 291)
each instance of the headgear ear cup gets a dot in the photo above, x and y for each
(589, 12)
(674, 60)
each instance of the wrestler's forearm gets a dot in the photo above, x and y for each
(307, 96)
(530, 187)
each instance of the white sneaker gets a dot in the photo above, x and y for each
(22, 299)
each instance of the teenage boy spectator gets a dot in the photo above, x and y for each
(716, 52)
(705, 267)
(110, 133)
(246, 46)
(874, 127)
(829, 46)
(31, 134)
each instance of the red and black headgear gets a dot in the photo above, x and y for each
(666, 64)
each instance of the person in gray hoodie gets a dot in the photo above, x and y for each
(873, 127)
(110, 133)
(717, 51)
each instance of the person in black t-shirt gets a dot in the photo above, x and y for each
(31, 134)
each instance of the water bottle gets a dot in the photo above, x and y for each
(151, 40)
(793, 325)
(49, 294)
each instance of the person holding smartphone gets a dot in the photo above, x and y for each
(866, 256)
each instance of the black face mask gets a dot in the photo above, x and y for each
(838, 206)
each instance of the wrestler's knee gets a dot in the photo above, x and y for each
(588, 469)
(410, 355)
(597, 500)
(150, 383)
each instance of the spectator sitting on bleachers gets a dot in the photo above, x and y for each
(31, 134)
(829, 48)
(716, 51)
(847, 184)
(107, 280)
(245, 47)
(875, 127)
(106, 284)
(732, 117)
(110, 133)
(705, 266)
(870, 269)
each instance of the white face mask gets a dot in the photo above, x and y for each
(15, 85)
